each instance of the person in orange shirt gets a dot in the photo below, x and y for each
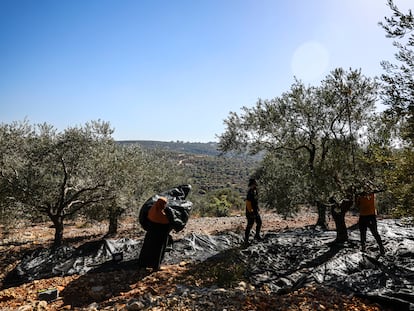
(156, 238)
(365, 202)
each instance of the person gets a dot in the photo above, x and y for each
(252, 211)
(365, 202)
(157, 236)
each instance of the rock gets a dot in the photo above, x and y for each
(93, 307)
(242, 286)
(135, 305)
(41, 306)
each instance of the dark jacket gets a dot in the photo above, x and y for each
(252, 202)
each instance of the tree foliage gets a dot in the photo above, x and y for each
(55, 174)
(80, 170)
(398, 89)
(310, 134)
(398, 95)
(401, 183)
(282, 182)
(220, 203)
(135, 174)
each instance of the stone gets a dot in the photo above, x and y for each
(135, 306)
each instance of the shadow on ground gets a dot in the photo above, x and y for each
(108, 280)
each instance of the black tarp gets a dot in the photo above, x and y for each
(283, 261)
(45, 263)
(178, 207)
(291, 259)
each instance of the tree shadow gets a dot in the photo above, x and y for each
(224, 269)
(41, 265)
(13, 252)
(82, 239)
(334, 248)
(42, 262)
(108, 280)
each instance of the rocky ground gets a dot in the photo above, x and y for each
(215, 284)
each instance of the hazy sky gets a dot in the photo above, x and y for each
(174, 69)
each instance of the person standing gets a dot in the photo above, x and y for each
(252, 211)
(156, 238)
(365, 202)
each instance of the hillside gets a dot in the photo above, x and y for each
(205, 166)
(209, 148)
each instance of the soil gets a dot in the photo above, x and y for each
(183, 286)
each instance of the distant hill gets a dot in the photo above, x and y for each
(204, 165)
(209, 148)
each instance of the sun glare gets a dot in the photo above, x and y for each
(310, 61)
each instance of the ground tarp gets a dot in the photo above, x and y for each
(291, 259)
(283, 261)
(104, 255)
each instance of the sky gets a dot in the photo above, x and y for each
(175, 69)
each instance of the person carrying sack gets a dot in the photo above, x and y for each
(157, 236)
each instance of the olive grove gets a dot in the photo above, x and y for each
(81, 170)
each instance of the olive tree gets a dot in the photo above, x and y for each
(55, 173)
(398, 95)
(136, 174)
(312, 132)
(398, 79)
(282, 182)
(125, 165)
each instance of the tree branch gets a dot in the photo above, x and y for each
(82, 204)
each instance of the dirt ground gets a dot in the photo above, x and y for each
(182, 286)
